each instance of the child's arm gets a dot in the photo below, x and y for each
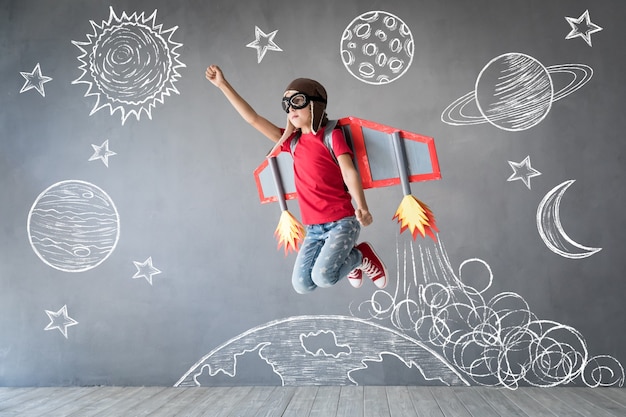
(353, 181)
(216, 77)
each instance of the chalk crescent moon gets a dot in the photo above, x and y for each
(551, 230)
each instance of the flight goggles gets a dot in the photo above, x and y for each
(299, 101)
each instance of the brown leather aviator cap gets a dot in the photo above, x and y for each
(312, 89)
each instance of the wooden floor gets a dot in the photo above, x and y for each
(312, 401)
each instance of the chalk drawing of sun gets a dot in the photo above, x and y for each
(129, 63)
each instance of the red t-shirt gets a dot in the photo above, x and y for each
(321, 192)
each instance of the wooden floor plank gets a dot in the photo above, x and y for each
(219, 403)
(474, 402)
(424, 403)
(231, 401)
(571, 396)
(204, 400)
(500, 403)
(99, 400)
(15, 397)
(375, 403)
(121, 407)
(30, 400)
(61, 404)
(400, 404)
(449, 403)
(301, 402)
(112, 395)
(350, 402)
(277, 402)
(527, 404)
(556, 405)
(616, 394)
(326, 402)
(148, 407)
(186, 397)
(11, 392)
(21, 397)
(249, 407)
(596, 397)
(91, 396)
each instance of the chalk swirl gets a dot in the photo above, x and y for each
(495, 341)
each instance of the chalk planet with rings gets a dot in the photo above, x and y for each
(514, 92)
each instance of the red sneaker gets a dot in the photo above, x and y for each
(372, 265)
(355, 277)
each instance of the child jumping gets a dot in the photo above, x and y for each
(329, 251)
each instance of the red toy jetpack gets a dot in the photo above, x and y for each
(384, 156)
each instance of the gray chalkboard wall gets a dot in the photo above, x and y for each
(134, 249)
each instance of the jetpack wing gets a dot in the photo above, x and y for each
(374, 155)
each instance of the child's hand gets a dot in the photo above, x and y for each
(364, 217)
(215, 75)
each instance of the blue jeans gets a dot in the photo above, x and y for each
(327, 254)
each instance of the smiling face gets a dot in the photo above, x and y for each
(300, 118)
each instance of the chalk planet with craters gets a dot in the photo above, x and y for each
(377, 47)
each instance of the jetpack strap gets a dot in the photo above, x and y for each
(328, 139)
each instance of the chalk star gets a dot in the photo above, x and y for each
(588, 28)
(146, 270)
(102, 152)
(523, 171)
(60, 320)
(35, 80)
(263, 43)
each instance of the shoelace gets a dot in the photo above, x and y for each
(370, 269)
(355, 273)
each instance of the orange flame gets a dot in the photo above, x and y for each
(289, 232)
(414, 215)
